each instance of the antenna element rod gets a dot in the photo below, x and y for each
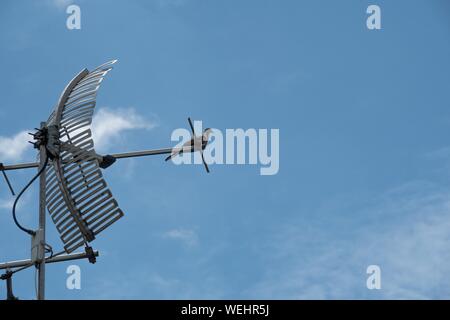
(124, 155)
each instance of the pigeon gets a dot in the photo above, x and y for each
(195, 144)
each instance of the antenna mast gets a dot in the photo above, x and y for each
(41, 231)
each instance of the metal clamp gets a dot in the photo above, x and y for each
(9, 291)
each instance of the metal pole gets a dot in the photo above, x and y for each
(116, 155)
(60, 258)
(142, 153)
(42, 195)
(28, 165)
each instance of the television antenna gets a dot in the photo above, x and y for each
(71, 184)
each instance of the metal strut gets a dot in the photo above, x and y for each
(2, 169)
(9, 290)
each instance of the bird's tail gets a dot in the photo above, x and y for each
(174, 154)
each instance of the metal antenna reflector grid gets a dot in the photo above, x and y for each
(77, 197)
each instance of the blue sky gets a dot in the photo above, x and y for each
(364, 123)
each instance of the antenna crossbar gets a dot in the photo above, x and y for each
(60, 258)
(134, 154)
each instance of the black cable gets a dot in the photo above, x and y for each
(30, 232)
(57, 254)
(10, 273)
(48, 248)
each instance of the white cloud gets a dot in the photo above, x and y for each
(186, 236)
(6, 204)
(108, 125)
(13, 148)
(61, 3)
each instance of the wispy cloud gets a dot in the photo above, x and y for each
(186, 236)
(407, 234)
(6, 204)
(13, 148)
(61, 3)
(108, 125)
(143, 283)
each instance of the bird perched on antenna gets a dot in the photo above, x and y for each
(197, 143)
